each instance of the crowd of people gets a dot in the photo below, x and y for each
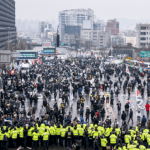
(59, 79)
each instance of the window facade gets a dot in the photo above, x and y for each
(7, 19)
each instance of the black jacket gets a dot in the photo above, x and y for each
(123, 116)
(131, 114)
(126, 106)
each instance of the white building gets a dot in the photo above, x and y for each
(44, 28)
(74, 17)
(99, 38)
(50, 36)
(131, 39)
(142, 35)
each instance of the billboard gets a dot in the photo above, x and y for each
(144, 53)
(28, 55)
(49, 51)
(87, 24)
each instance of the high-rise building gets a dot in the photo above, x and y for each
(44, 28)
(7, 24)
(114, 26)
(142, 35)
(74, 17)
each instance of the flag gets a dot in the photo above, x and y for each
(142, 62)
(127, 70)
(12, 72)
(39, 61)
(139, 99)
(128, 102)
(71, 95)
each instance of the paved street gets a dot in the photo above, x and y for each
(122, 98)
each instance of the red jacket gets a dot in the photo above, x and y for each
(147, 107)
(96, 114)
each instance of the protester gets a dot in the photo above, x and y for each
(37, 106)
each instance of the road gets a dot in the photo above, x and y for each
(122, 98)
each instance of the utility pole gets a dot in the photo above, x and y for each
(57, 41)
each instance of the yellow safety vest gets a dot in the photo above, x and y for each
(45, 136)
(14, 134)
(75, 132)
(35, 136)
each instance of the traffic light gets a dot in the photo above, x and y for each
(57, 40)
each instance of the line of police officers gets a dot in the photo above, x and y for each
(94, 136)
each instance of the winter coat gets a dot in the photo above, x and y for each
(123, 116)
(126, 106)
(42, 111)
(147, 107)
(87, 113)
(81, 112)
(95, 121)
(144, 120)
(103, 113)
(131, 114)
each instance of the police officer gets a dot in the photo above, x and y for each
(81, 131)
(5, 143)
(14, 137)
(52, 135)
(41, 131)
(45, 139)
(85, 137)
(75, 134)
(57, 131)
(62, 135)
(2, 137)
(103, 142)
(21, 136)
(25, 137)
(35, 138)
(96, 143)
(69, 136)
(113, 140)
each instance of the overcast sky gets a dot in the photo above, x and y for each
(103, 9)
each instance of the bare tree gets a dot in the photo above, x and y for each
(21, 44)
(9, 47)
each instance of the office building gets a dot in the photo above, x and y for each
(99, 25)
(113, 25)
(44, 28)
(75, 17)
(142, 35)
(98, 38)
(7, 25)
